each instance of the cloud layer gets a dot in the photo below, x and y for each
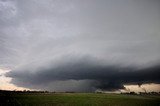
(64, 45)
(96, 75)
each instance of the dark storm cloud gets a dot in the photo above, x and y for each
(111, 77)
(80, 45)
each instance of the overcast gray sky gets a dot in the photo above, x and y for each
(55, 44)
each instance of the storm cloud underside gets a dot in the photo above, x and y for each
(78, 45)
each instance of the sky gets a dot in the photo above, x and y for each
(80, 45)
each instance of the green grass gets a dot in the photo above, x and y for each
(78, 99)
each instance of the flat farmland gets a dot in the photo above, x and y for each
(77, 99)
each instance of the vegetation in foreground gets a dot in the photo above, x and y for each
(76, 99)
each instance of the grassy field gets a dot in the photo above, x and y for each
(77, 99)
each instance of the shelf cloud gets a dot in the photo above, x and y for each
(98, 76)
